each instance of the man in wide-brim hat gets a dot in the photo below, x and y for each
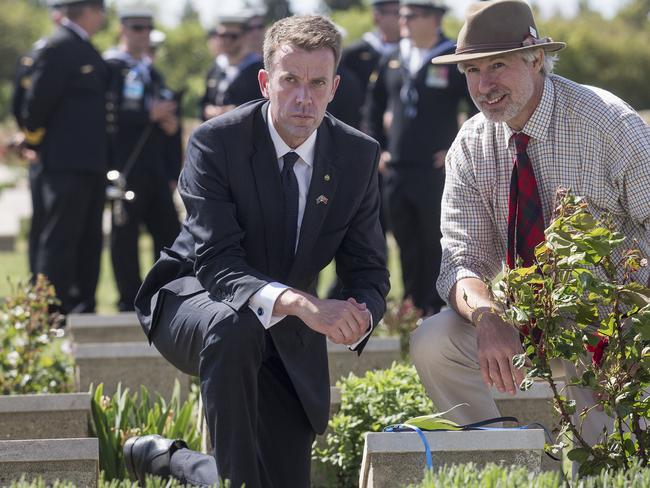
(536, 131)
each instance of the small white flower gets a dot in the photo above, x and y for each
(18, 311)
(13, 358)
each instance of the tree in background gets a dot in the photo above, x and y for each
(610, 54)
(21, 24)
(343, 4)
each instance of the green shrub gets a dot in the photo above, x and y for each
(581, 295)
(125, 415)
(151, 482)
(368, 404)
(33, 355)
(492, 476)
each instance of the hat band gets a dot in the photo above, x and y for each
(479, 48)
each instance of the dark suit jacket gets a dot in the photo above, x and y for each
(67, 104)
(230, 243)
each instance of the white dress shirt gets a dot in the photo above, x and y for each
(263, 301)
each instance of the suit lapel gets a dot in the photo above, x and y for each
(269, 190)
(322, 188)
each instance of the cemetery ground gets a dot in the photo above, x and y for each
(14, 268)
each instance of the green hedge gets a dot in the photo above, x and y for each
(368, 404)
(493, 476)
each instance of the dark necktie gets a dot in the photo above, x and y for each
(290, 187)
(525, 217)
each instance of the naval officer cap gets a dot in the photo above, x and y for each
(379, 3)
(67, 3)
(240, 18)
(135, 13)
(429, 4)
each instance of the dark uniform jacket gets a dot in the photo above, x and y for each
(361, 58)
(65, 107)
(437, 90)
(243, 88)
(130, 125)
(230, 247)
(23, 80)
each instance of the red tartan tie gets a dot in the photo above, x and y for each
(525, 217)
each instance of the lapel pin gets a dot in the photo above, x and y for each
(326, 177)
(322, 199)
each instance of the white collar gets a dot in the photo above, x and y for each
(305, 150)
(76, 28)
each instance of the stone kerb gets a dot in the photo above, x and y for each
(46, 416)
(398, 459)
(379, 353)
(73, 460)
(131, 363)
(93, 328)
(532, 405)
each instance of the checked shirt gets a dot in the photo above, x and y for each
(581, 137)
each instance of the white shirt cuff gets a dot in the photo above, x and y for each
(353, 347)
(262, 303)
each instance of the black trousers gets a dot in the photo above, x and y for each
(260, 433)
(34, 177)
(70, 240)
(152, 207)
(413, 197)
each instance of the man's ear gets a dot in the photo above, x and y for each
(264, 79)
(335, 85)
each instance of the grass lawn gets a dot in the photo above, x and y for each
(14, 268)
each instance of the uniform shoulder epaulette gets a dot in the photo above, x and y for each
(35, 137)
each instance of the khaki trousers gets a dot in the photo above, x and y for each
(443, 349)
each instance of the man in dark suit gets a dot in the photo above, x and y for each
(273, 190)
(65, 121)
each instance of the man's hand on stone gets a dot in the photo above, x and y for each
(497, 343)
(343, 322)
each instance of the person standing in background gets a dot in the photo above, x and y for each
(232, 80)
(22, 82)
(425, 102)
(145, 124)
(65, 122)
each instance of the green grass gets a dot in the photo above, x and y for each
(14, 268)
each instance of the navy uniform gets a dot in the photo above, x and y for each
(362, 57)
(22, 82)
(65, 121)
(231, 85)
(425, 106)
(154, 161)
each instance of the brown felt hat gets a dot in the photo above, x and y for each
(497, 27)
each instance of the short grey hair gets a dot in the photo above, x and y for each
(528, 56)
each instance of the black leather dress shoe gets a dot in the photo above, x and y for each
(149, 454)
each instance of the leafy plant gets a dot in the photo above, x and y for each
(493, 476)
(125, 415)
(34, 357)
(581, 296)
(368, 404)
